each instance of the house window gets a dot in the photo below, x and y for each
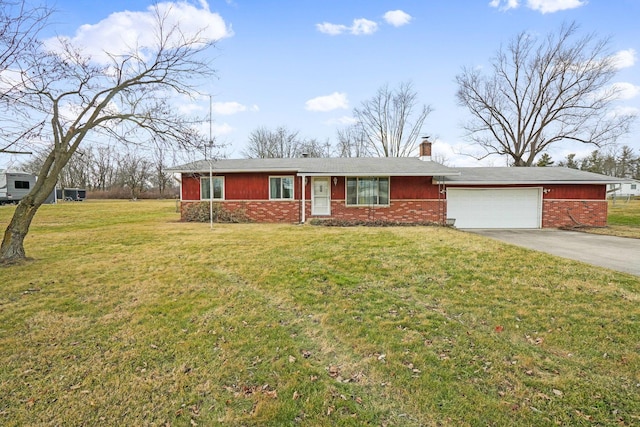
(367, 191)
(281, 187)
(22, 185)
(633, 186)
(218, 188)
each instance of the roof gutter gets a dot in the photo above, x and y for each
(303, 173)
(452, 183)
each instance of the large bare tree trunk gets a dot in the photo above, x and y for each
(12, 249)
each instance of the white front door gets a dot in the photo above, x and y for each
(321, 196)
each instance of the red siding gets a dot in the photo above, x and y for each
(254, 186)
(190, 187)
(413, 187)
(576, 192)
(559, 191)
(402, 187)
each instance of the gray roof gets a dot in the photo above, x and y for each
(343, 166)
(527, 175)
(401, 166)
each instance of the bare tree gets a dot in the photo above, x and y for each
(134, 173)
(390, 122)
(103, 167)
(314, 148)
(352, 142)
(161, 178)
(77, 171)
(61, 95)
(541, 92)
(265, 143)
(20, 26)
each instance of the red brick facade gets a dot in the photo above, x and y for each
(414, 199)
(258, 210)
(408, 211)
(570, 213)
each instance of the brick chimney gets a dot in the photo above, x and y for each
(425, 150)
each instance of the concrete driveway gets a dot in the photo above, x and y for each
(616, 253)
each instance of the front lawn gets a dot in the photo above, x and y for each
(128, 317)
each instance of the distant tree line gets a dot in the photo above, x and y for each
(617, 161)
(115, 172)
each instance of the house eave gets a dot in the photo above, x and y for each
(502, 182)
(303, 173)
(377, 174)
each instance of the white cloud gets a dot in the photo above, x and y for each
(504, 4)
(397, 18)
(359, 27)
(626, 90)
(625, 111)
(222, 129)
(462, 154)
(550, 6)
(331, 29)
(542, 6)
(188, 108)
(120, 32)
(363, 26)
(342, 121)
(331, 102)
(624, 58)
(228, 108)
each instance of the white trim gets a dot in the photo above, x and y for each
(327, 179)
(293, 189)
(573, 200)
(325, 173)
(378, 174)
(211, 187)
(346, 198)
(303, 196)
(455, 184)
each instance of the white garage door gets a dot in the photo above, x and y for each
(495, 207)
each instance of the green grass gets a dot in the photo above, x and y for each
(128, 317)
(624, 213)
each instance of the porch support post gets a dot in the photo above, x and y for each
(304, 202)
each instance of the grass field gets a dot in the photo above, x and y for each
(126, 316)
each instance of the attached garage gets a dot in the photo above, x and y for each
(495, 207)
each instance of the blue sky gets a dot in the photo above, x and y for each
(306, 64)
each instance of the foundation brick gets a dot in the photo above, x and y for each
(570, 213)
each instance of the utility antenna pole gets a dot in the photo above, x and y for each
(210, 163)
